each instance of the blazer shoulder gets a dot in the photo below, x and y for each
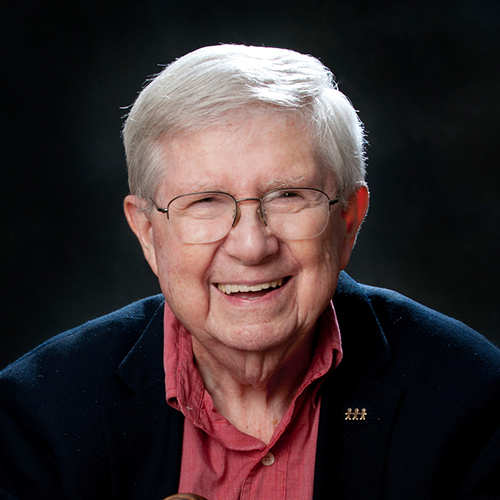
(393, 308)
(89, 351)
(420, 336)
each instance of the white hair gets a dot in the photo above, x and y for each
(202, 88)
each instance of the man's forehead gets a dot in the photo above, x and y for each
(258, 155)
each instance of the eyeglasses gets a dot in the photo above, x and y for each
(208, 216)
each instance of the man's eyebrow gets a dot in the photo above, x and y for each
(284, 183)
(295, 181)
(195, 187)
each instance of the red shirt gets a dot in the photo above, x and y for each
(220, 462)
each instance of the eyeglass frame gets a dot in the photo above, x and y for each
(331, 201)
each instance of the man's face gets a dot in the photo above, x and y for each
(245, 159)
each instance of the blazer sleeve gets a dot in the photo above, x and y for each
(51, 443)
(27, 466)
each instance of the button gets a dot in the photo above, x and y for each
(268, 459)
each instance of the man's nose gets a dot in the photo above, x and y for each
(250, 239)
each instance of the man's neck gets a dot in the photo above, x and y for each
(253, 390)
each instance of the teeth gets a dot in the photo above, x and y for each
(229, 289)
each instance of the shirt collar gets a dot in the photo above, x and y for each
(184, 387)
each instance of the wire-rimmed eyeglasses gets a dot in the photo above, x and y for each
(289, 213)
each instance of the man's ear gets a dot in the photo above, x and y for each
(139, 221)
(353, 216)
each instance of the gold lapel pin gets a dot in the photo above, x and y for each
(356, 414)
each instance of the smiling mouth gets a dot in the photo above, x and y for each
(229, 289)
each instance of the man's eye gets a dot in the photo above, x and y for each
(289, 194)
(206, 205)
(208, 200)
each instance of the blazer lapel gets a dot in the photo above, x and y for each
(353, 440)
(143, 433)
(358, 408)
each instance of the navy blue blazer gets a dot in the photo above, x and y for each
(84, 417)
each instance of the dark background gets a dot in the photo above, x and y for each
(425, 78)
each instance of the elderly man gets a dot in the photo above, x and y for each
(244, 380)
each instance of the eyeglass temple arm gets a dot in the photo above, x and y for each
(162, 210)
(332, 202)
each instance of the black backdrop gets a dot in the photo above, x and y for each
(424, 77)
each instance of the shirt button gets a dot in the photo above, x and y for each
(268, 459)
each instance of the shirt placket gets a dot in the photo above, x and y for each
(269, 469)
